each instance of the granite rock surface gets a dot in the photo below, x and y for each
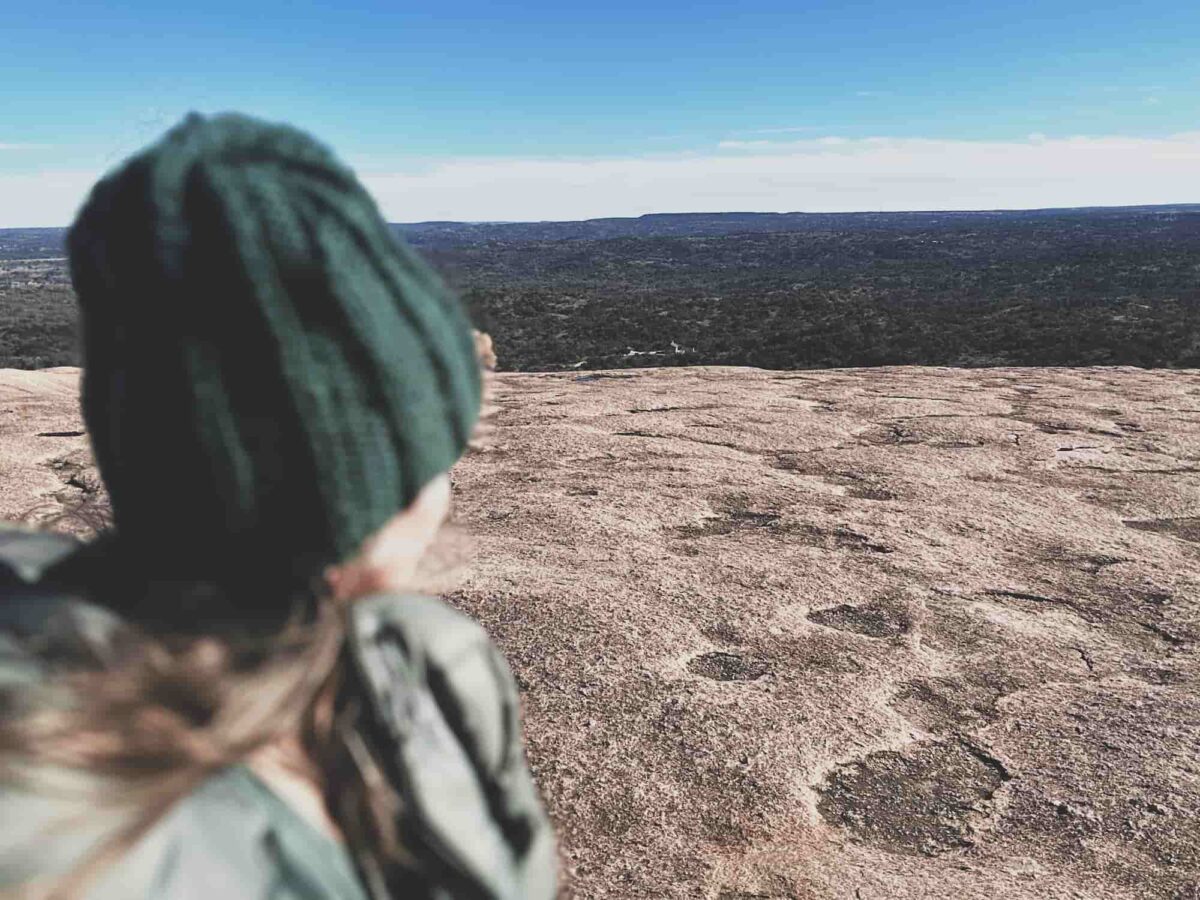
(859, 633)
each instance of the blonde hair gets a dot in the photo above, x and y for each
(160, 715)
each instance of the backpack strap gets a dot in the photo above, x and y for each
(45, 622)
(25, 554)
(449, 735)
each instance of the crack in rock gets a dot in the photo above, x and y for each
(598, 375)
(1023, 595)
(678, 437)
(1186, 528)
(651, 409)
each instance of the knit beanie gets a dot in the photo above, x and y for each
(269, 374)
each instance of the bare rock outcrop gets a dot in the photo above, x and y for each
(886, 633)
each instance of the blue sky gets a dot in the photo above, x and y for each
(536, 110)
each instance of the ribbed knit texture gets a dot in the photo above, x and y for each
(269, 375)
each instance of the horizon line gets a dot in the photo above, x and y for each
(1184, 205)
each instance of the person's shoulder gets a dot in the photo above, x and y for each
(232, 837)
(217, 836)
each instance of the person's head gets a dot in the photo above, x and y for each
(275, 390)
(269, 375)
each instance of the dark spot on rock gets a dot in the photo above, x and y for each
(749, 517)
(1157, 675)
(839, 538)
(596, 376)
(1171, 638)
(942, 705)
(819, 653)
(885, 433)
(1092, 563)
(734, 515)
(61, 433)
(522, 477)
(871, 493)
(617, 813)
(730, 522)
(1095, 562)
(650, 409)
(722, 633)
(860, 486)
(88, 484)
(1001, 594)
(794, 462)
(1185, 528)
(873, 621)
(987, 478)
(1156, 598)
(774, 887)
(721, 666)
(923, 800)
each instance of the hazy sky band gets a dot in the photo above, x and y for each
(426, 98)
(814, 176)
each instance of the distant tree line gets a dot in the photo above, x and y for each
(1043, 288)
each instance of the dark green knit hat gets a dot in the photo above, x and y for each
(269, 375)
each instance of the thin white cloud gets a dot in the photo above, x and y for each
(829, 141)
(10, 146)
(872, 93)
(42, 199)
(826, 174)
